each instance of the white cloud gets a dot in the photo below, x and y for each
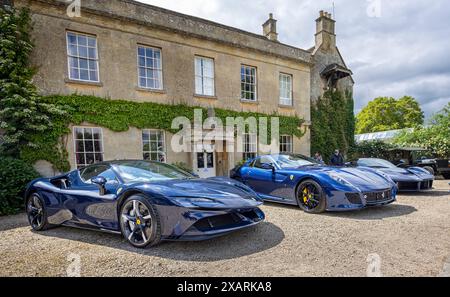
(405, 51)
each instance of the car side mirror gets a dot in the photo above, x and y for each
(100, 181)
(268, 166)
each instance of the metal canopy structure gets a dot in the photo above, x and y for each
(385, 136)
(334, 72)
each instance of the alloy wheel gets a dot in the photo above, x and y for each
(309, 196)
(136, 220)
(35, 211)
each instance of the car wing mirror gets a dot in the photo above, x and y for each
(100, 181)
(268, 166)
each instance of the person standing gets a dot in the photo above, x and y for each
(337, 159)
(318, 158)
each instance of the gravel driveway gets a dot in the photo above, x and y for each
(408, 238)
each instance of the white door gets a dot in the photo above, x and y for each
(206, 165)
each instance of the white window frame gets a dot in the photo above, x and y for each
(250, 146)
(202, 77)
(146, 68)
(158, 152)
(78, 57)
(284, 143)
(75, 139)
(286, 86)
(245, 83)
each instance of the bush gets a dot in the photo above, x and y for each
(372, 149)
(14, 176)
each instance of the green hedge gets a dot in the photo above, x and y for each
(119, 116)
(14, 176)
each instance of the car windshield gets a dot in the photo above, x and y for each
(376, 163)
(294, 161)
(143, 171)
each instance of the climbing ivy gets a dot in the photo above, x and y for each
(333, 123)
(119, 116)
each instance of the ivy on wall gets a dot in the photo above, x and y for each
(119, 116)
(333, 123)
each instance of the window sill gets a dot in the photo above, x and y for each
(151, 90)
(205, 97)
(286, 106)
(254, 102)
(81, 82)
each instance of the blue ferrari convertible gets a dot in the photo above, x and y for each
(299, 180)
(146, 202)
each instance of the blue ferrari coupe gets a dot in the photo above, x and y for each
(146, 202)
(299, 180)
(407, 179)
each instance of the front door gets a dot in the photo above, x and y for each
(206, 165)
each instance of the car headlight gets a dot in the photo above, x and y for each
(340, 179)
(194, 202)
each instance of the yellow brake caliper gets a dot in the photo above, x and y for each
(305, 195)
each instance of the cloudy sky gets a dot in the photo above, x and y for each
(395, 48)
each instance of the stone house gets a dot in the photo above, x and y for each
(123, 49)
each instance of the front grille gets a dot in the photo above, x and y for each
(426, 185)
(354, 198)
(226, 220)
(377, 197)
(411, 186)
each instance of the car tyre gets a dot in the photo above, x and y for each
(446, 175)
(429, 169)
(140, 222)
(311, 197)
(37, 213)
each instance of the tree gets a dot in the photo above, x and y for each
(387, 113)
(22, 113)
(435, 137)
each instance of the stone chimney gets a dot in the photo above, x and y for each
(325, 31)
(270, 28)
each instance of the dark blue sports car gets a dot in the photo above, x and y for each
(146, 202)
(407, 179)
(299, 180)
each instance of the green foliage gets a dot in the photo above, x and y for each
(387, 113)
(434, 138)
(372, 149)
(14, 176)
(22, 113)
(333, 123)
(119, 116)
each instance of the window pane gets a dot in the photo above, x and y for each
(74, 73)
(72, 38)
(83, 63)
(141, 51)
(82, 40)
(142, 62)
(81, 159)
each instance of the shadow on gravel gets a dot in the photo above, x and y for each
(13, 222)
(242, 243)
(376, 213)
